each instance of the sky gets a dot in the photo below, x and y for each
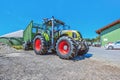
(87, 16)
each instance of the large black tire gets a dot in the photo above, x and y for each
(39, 45)
(110, 47)
(66, 48)
(27, 45)
(84, 48)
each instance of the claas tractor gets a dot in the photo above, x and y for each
(55, 36)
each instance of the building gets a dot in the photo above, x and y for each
(109, 33)
(14, 34)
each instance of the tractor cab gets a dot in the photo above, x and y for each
(53, 27)
(56, 24)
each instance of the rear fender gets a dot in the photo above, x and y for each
(45, 35)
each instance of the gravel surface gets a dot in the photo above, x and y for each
(5, 49)
(25, 65)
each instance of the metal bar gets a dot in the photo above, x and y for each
(52, 31)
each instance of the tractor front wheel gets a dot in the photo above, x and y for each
(66, 48)
(39, 45)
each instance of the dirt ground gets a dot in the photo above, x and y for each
(25, 65)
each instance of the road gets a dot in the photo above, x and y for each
(108, 56)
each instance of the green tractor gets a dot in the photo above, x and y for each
(56, 37)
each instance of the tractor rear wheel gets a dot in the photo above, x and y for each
(39, 45)
(66, 48)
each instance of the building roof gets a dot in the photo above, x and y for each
(14, 34)
(108, 26)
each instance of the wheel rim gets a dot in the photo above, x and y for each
(64, 47)
(38, 44)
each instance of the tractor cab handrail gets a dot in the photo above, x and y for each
(48, 22)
